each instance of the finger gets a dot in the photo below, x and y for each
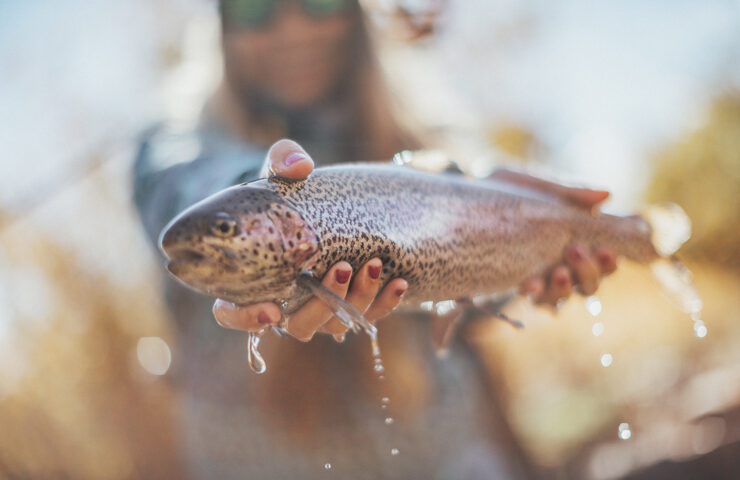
(583, 197)
(304, 323)
(585, 269)
(289, 160)
(533, 288)
(365, 286)
(248, 317)
(388, 300)
(607, 260)
(559, 287)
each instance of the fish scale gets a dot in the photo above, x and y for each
(448, 236)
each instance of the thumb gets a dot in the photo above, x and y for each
(287, 159)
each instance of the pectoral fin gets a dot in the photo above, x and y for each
(347, 314)
(443, 329)
(490, 312)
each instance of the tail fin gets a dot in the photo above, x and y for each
(671, 227)
(678, 285)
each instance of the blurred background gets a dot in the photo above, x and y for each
(640, 98)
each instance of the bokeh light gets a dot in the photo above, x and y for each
(154, 355)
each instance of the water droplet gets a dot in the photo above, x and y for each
(379, 368)
(695, 305)
(256, 363)
(597, 329)
(445, 307)
(154, 355)
(624, 431)
(327, 466)
(394, 451)
(700, 330)
(606, 359)
(385, 400)
(382, 377)
(403, 157)
(428, 306)
(593, 305)
(384, 407)
(388, 420)
(374, 345)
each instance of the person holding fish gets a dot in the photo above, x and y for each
(304, 69)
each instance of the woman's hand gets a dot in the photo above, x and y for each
(287, 159)
(582, 268)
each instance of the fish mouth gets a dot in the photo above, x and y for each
(179, 258)
(184, 254)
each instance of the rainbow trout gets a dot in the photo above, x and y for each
(450, 237)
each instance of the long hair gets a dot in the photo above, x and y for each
(310, 387)
(379, 131)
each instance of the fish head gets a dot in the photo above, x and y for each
(244, 244)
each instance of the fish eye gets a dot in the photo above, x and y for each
(223, 226)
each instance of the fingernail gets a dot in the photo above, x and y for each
(562, 280)
(577, 254)
(374, 271)
(342, 276)
(400, 292)
(294, 157)
(604, 258)
(263, 318)
(223, 304)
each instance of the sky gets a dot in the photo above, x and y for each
(602, 84)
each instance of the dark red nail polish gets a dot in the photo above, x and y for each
(400, 292)
(263, 318)
(374, 271)
(342, 276)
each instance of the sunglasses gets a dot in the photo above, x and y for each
(256, 14)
